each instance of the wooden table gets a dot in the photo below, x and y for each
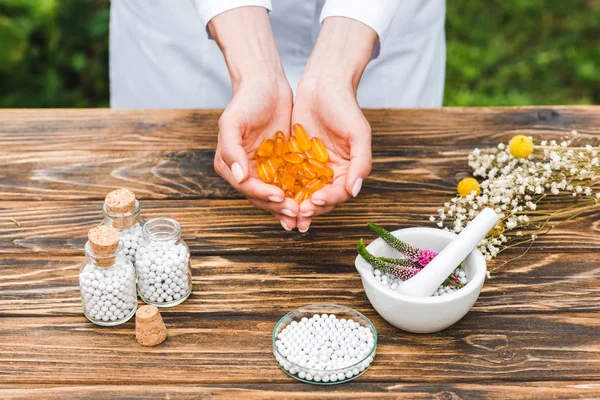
(533, 333)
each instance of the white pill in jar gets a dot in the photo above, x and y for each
(122, 211)
(104, 262)
(160, 253)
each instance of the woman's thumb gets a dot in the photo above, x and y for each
(233, 153)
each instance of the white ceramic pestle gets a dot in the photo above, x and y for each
(431, 277)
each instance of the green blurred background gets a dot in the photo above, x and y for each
(54, 53)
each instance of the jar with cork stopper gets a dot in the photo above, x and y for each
(122, 211)
(107, 279)
(163, 264)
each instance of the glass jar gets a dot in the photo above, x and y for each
(107, 279)
(122, 211)
(163, 264)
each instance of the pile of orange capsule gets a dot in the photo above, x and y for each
(298, 165)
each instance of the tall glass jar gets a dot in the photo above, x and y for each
(163, 264)
(107, 279)
(122, 211)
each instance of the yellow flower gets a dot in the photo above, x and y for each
(467, 186)
(497, 230)
(521, 146)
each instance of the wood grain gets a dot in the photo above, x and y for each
(102, 129)
(235, 226)
(84, 175)
(533, 333)
(83, 154)
(174, 130)
(557, 390)
(236, 348)
(222, 333)
(43, 286)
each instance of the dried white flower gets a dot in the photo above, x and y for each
(518, 189)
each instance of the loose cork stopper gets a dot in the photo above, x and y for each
(120, 201)
(150, 329)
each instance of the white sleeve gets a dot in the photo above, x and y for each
(377, 14)
(208, 9)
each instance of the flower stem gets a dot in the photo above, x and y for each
(393, 241)
(404, 270)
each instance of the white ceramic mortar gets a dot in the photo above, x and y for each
(422, 314)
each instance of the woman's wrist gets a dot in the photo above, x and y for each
(245, 37)
(342, 51)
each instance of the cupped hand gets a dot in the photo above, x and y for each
(262, 104)
(327, 108)
(259, 108)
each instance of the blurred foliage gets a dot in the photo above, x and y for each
(522, 52)
(54, 53)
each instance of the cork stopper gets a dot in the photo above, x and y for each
(104, 241)
(121, 201)
(150, 329)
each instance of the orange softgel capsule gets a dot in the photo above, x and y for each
(297, 165)
(287, 182)
(301, 136)
(307, 171)
(294, 158)
(279, 145)
(290, 168)
(316, 184)
(319, 168)
(318, 150)
(293, 145)
(265, 149)
(266, 172)
(301, 195)
(296, 172)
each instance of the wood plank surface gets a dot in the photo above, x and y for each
(215, 226)
(222, 334)
(34, 285)
(533, 333)
(173, 130)
(556, 390)
(236, 348)
(422, 148)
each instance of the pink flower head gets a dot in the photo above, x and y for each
(424, 257)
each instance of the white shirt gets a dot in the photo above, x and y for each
(162, 57)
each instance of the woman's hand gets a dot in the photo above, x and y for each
(261, 105)
(326, 106)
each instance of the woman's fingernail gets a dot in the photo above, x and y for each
(356, 187)
(303, 230)
(285, 226)
(307, 214)
(317, 202)
(275, 199)
(237, 171)
(287, 212)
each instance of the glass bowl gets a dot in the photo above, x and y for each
(327, 376)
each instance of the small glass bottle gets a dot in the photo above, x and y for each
(107, 279)
(163, 264)
(122, 211)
